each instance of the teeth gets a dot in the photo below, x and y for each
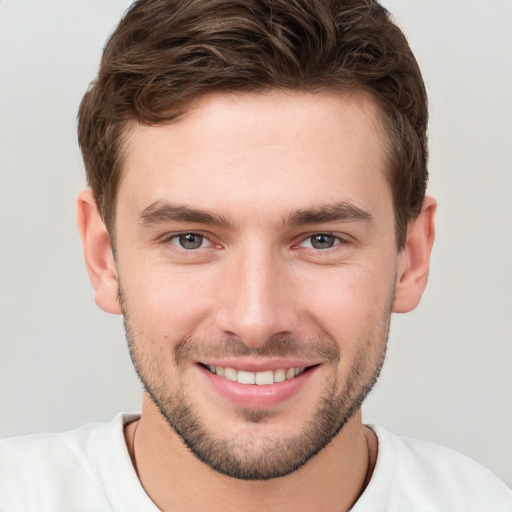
(279, 375)
(262, 378)
(259, 378)
(231, 374)
(246, 377)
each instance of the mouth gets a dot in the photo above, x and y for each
(261, 378)
(252, 386)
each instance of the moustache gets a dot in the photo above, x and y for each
(320, 349)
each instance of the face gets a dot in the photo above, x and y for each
(257, 261)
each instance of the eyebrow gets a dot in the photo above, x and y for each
(339, 212)
(163, 211)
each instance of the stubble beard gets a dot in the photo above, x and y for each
(251, 456)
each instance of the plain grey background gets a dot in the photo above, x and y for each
(448, 377)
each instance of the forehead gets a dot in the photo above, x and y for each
(279, 149)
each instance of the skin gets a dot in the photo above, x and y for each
(253, 161)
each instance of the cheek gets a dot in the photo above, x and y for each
(168, 303)
(349, 303)
(347, 291)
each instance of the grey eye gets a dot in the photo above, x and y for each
(190, 241)
(322, 241)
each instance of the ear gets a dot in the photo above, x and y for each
(98, 253)
(414, 259)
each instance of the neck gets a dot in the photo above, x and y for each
(176, 480)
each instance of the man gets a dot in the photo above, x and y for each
(257, 210)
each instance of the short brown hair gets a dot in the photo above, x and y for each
(165, 54)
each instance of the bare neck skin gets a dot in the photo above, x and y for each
(176, 480)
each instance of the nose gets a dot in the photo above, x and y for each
(257, 299)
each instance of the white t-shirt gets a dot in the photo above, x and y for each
(89, 470)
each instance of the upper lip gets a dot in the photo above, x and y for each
(255, 365)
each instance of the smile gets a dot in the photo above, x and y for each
(251, 385)
(263, 378)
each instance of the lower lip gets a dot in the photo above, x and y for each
(253, 396)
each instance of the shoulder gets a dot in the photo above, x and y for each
(45, 470)
(427, 477)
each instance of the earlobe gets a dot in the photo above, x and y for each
(414, 259)
(98, 255)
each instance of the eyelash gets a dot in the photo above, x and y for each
(173, 239)
(336, 239)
